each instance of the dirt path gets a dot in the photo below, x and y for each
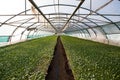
(59, 68)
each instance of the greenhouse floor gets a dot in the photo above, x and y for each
(46, 59)
(59, 67)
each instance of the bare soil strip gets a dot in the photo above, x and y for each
(59, 68)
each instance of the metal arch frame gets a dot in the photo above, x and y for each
(80, 31)
(38, 33)
(97, 26)
(82, 26)
(34, 30)
(98, 8)
(71, 19)
(78, 27)
(38, 30)
(84, 9)
(17, 28)
(26, 29)
(31, 31)
(103, 17)
(13, 17)
(82, 23)
(92, 12)
(12, 25)
(56, 5)
(78, 24)
(53, 5)
(19, 21)
(77, 15)
(90, 26)
(60, 4)
(34, 33)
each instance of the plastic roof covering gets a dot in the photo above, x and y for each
(92, 18)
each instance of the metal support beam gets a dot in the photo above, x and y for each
(25, 6)
(33, 3)
(18, 28)
(59, 14)
(64, 27)
(96, 9)
(26, 30)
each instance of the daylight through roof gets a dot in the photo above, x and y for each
(97, 20)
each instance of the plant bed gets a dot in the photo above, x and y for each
(91, 60)
(26, 60)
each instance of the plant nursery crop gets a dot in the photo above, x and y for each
(91, 60)
(27, 60)
(88, 60)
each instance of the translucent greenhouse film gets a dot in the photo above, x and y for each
(97, 20)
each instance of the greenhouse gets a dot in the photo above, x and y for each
(60, 40)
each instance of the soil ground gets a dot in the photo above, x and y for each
(59, 68)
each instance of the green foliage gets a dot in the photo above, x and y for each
(27, 60)
(91, 60)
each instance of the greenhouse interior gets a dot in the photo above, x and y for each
(60, 40)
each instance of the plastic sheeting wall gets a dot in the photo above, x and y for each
(108, 34)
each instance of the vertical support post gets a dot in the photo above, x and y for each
(25, 7)
(90, 6)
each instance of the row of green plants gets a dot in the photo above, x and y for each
(27, 60)
(91, 60)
